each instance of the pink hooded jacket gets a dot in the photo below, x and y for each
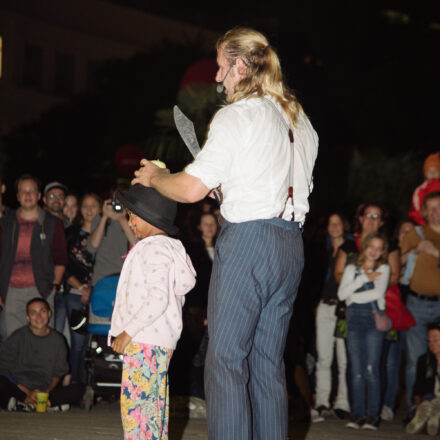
(154, 279)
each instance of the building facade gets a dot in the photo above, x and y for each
(50, 50)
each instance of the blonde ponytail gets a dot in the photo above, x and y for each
(264, 74)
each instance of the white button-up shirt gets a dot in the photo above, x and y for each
(248, 152)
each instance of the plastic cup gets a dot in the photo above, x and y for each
(41, 399)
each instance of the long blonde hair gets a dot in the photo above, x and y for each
(263, 69)
(365, 243)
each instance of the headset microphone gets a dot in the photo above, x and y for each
(220, 84)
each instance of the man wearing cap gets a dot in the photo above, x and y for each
(257, 147)
(54, 199)
(33, 254)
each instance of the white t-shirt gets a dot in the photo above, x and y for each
(210, 250)
(248, 152)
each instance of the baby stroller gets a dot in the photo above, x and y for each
(103, 365)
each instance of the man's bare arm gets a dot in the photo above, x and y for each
(58, 274)
(55, 381)
(96, 236)
(181, 187)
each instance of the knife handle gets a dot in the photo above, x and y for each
(217, 197)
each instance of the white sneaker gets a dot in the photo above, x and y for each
(422, 415)
(64, 407)
(315, 417)
(11, 404)
(434, 419)
(387, 414)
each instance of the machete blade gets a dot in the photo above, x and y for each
(185, 127)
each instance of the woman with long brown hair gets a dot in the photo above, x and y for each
(363, 287)
(78, 277)
(369, 218)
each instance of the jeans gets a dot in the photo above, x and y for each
(364, 345)
(325, 344)
(424, 312)
(78, 343)
(393, 355)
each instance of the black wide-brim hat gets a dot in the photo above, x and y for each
(151, 206)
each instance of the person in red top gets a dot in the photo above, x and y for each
(33, 254)
(431, 170)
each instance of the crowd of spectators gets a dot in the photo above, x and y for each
(55, 247)
(376, 295)
(373, 298)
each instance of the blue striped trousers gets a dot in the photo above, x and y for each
(256, 273)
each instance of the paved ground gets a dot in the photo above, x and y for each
(103, 422)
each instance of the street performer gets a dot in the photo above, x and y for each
(258, 146)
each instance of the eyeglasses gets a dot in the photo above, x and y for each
(373, 216)
(56, 196)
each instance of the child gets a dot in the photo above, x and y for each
(147, 316)
(363, 287)
(431, 170)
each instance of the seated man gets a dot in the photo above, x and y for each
(34, 359)
(427, 386)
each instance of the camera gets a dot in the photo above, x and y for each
(116, 205)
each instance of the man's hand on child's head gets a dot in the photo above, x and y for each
(120, 342)
(146, 171)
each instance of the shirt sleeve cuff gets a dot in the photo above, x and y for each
(193, 169)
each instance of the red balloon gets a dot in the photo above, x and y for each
(127, 159)
(201, 72)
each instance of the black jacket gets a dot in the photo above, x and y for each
(41, 251)
(425, 376)
(198, 296)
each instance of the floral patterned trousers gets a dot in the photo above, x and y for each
(144, 392)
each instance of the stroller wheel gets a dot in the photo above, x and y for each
(88, 398)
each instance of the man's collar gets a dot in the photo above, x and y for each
(48, 331)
